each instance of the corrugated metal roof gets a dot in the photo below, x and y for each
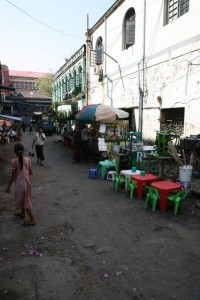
(32, 94)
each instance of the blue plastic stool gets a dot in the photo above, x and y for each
(93, 173)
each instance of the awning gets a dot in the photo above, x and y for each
(72, 116)
(11, 117)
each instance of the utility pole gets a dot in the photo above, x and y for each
(141, 91)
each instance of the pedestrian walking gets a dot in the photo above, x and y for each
(31, 129)
(21, 171)
(38, 141)
(24, 127)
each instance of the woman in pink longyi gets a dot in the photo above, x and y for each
(21, 171)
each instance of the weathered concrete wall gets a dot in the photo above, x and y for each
(172, 65)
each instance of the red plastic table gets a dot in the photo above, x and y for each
(141, 180)
(164, 187)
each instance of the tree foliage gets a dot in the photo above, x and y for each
(45, 85)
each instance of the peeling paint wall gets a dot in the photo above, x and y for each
(172, 65)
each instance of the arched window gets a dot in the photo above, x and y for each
(129, 29)
(79, 77)
(71, 83)
(99, 51)
(74, 81)
(67, 84)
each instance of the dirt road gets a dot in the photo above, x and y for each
(91, 242)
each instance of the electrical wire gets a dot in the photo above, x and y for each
(155, 30)
(62, 32)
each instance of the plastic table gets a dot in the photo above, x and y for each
(164, 187)
(141, 180)
(127, 174)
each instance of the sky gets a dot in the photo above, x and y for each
(38, 35)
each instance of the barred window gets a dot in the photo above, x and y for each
(175, 9)
(79, 77)
(74, 78)
(99, 51)
(129, 29)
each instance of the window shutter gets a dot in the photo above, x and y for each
(68, 87)
(72, 83)
(77, 80)
(99, 56)
(130, 32)
(184, 7)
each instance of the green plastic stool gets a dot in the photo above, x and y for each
(153, 196)
(118, 181)
(177, 199)
(132, 188)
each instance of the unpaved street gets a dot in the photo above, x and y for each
(91, 242)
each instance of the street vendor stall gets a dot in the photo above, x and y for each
(110, 137)
(107, 130)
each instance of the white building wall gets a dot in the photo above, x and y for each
(172, 65)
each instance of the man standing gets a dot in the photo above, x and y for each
(38, 141)
(84, 143)
(24, 127)
(77, 144)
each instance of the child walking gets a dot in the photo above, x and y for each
(21, 171)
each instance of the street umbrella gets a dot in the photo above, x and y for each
(100, 112)
(4, 123)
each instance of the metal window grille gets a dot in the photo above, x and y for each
(176, 8)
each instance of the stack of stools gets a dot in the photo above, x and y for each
(93, 173)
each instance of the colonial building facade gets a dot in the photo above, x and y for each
(69, 83)
(144, 56)
(27, 99)
(22, 98)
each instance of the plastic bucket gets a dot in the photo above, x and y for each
(186, 186)
(185, 173)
